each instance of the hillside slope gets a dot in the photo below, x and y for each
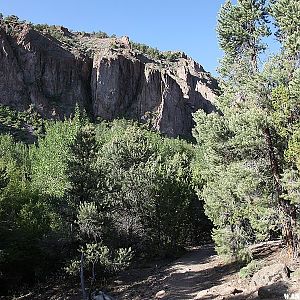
(52, 69)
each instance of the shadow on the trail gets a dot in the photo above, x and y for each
(185, 285)
(143, 284)
(196, 257)
(195, 272)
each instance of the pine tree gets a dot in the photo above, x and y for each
(82, 171)
(85, 193)
(243, 149)
(240, 30)
(287, 20)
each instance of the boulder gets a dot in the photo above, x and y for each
(101, 296)
(273, 291)
(269, 275)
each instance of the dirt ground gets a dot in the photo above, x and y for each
(199, 274)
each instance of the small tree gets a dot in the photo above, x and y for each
(82, 173)
(85, 196)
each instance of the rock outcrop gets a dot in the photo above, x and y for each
(35, 69)
(105, 75)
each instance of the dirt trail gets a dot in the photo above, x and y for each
(200, 270)
(199, 274)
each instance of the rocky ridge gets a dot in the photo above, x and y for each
(52, 70)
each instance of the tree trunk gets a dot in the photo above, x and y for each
(285, 207)
(93, 280)
(84, 296)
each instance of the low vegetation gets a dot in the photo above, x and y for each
(112, 192)
(154, 53)
(22, 125)
(251, 268)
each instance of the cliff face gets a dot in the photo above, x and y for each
(105, 75)
(35, 69)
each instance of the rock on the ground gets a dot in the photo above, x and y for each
(204, 294)
(223, 289)
(273, 291)
(268, 275)
(161, 294)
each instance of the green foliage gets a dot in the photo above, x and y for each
(150, 193)
(73, 268)
(155, 53)
(4, 180)
(100, 34)
(293, 150)
(249, 270)
(235, 192)
(246, 155)
(287, 16)
(291, 183)
(82, 173)
(67, 39)
(152, 52)
(241, 29)
(232, 239)
(89, 220)
(285, 118)
(49, 155)
(25, 126)
(85, 197)
(100, 257)
(26, 219)
(11, 24)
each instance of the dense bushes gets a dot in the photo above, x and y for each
(26, 219)
(24, 126)
(113, 191)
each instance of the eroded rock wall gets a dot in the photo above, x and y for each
(35, 69)
(115, 81)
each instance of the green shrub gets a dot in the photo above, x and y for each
(100, 34)
(250, 269)
(154, 53)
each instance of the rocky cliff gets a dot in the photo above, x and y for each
(52, 69)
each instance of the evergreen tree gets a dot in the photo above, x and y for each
(81, 166)
(287, 21)
(86, 198)
(243, 149)
(240, 30)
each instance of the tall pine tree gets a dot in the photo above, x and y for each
(243, 151)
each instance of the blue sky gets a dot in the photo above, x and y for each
(187, 25)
